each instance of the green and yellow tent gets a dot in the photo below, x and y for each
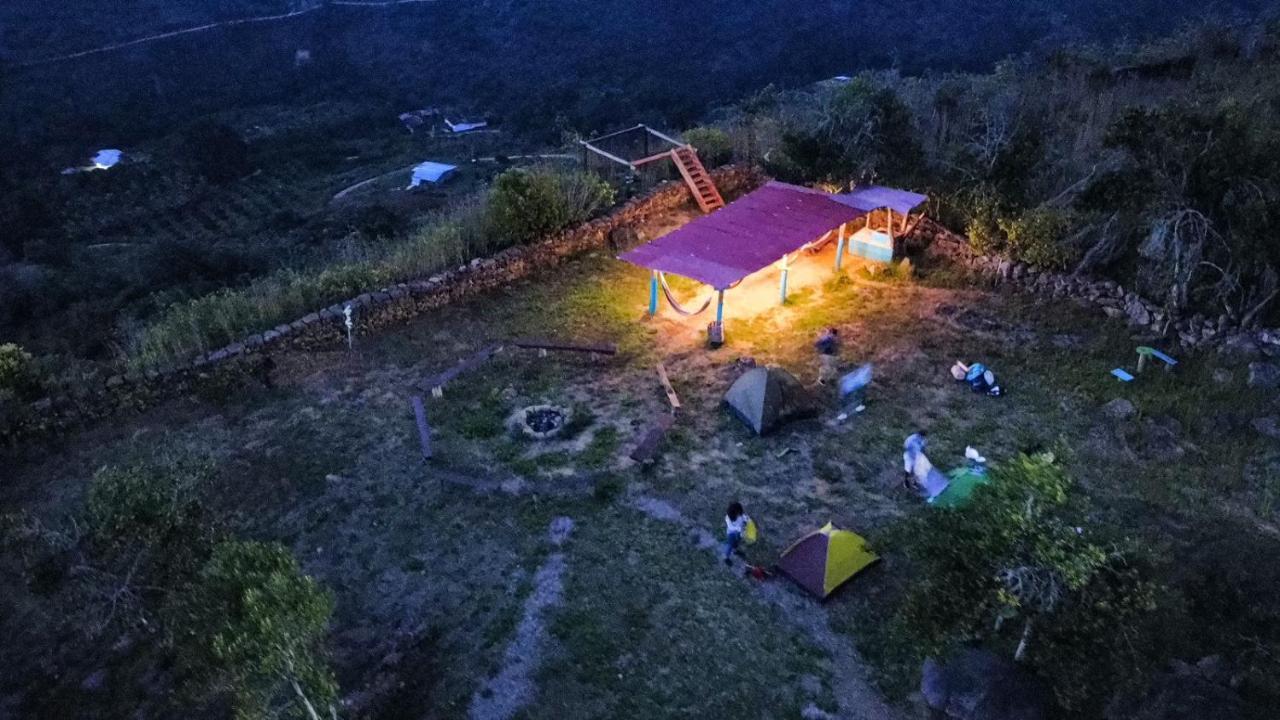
(824, 559)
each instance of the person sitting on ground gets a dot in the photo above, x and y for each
(735, 524)
(827, 345)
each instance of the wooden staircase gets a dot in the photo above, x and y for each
(698, 179)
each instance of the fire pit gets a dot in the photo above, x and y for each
(540, 422)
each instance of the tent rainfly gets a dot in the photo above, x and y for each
(432, 173)
(758, 230)
(825, 559)
(765, 398)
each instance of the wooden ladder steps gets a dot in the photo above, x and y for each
(696, 177)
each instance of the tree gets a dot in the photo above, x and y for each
(1010, 570)
(256, 628)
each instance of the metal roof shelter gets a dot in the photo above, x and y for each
(759, 229)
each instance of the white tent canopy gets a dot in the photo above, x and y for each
(431, 172)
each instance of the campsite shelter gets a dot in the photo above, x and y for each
(759, 229)
(432, 173)
(825, 559)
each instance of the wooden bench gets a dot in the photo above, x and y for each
(648, 447)
(424, 430)
(565, 346)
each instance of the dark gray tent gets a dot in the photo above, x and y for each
(765, 398)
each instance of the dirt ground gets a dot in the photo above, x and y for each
(439, 568)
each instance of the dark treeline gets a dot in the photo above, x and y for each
(539, 66)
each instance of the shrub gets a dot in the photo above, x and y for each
(144, 505)
(714, 146)
(1011, 569)
(19, 374)
(529, 204)
(1039, 237)
(257, 625)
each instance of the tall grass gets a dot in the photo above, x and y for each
(463, 231)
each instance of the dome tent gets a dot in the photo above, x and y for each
(765, 398)
(825, 559)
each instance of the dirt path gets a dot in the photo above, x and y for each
(512, 688)
(855, 696)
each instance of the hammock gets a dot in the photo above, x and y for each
(666, 290)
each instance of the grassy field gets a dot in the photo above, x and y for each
(435, 564)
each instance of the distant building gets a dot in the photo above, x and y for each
(431, 173)
(103, 160)
(415, 120)
(465, 126)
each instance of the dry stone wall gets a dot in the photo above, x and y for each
(1109, 297)
(371, 312)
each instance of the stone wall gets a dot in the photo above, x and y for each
(371, 311)
(1109, 297)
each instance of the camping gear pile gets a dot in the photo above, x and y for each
(977, 377)
(962, 481)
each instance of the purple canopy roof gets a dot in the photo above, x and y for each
(758, 229)
(874, 197)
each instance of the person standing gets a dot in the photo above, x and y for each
(918, 473)
(735, 524)
(828, 347)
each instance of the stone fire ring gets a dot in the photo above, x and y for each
(540, 422)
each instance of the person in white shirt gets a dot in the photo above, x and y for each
(917, 472)
(735, 524)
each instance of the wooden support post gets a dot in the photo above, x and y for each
(840, 249)
(782, 285)
(653, 293)
(893, 244)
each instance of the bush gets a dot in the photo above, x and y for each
(1039, 237)
(714, 146)
(530, 204)
(1011, 569)
(144, 505)
(19, 375)
(257, 625)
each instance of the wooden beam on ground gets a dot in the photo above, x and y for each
(437, 383)
(648, 447)
(666, 385)
(424, 431)
(565, 346)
